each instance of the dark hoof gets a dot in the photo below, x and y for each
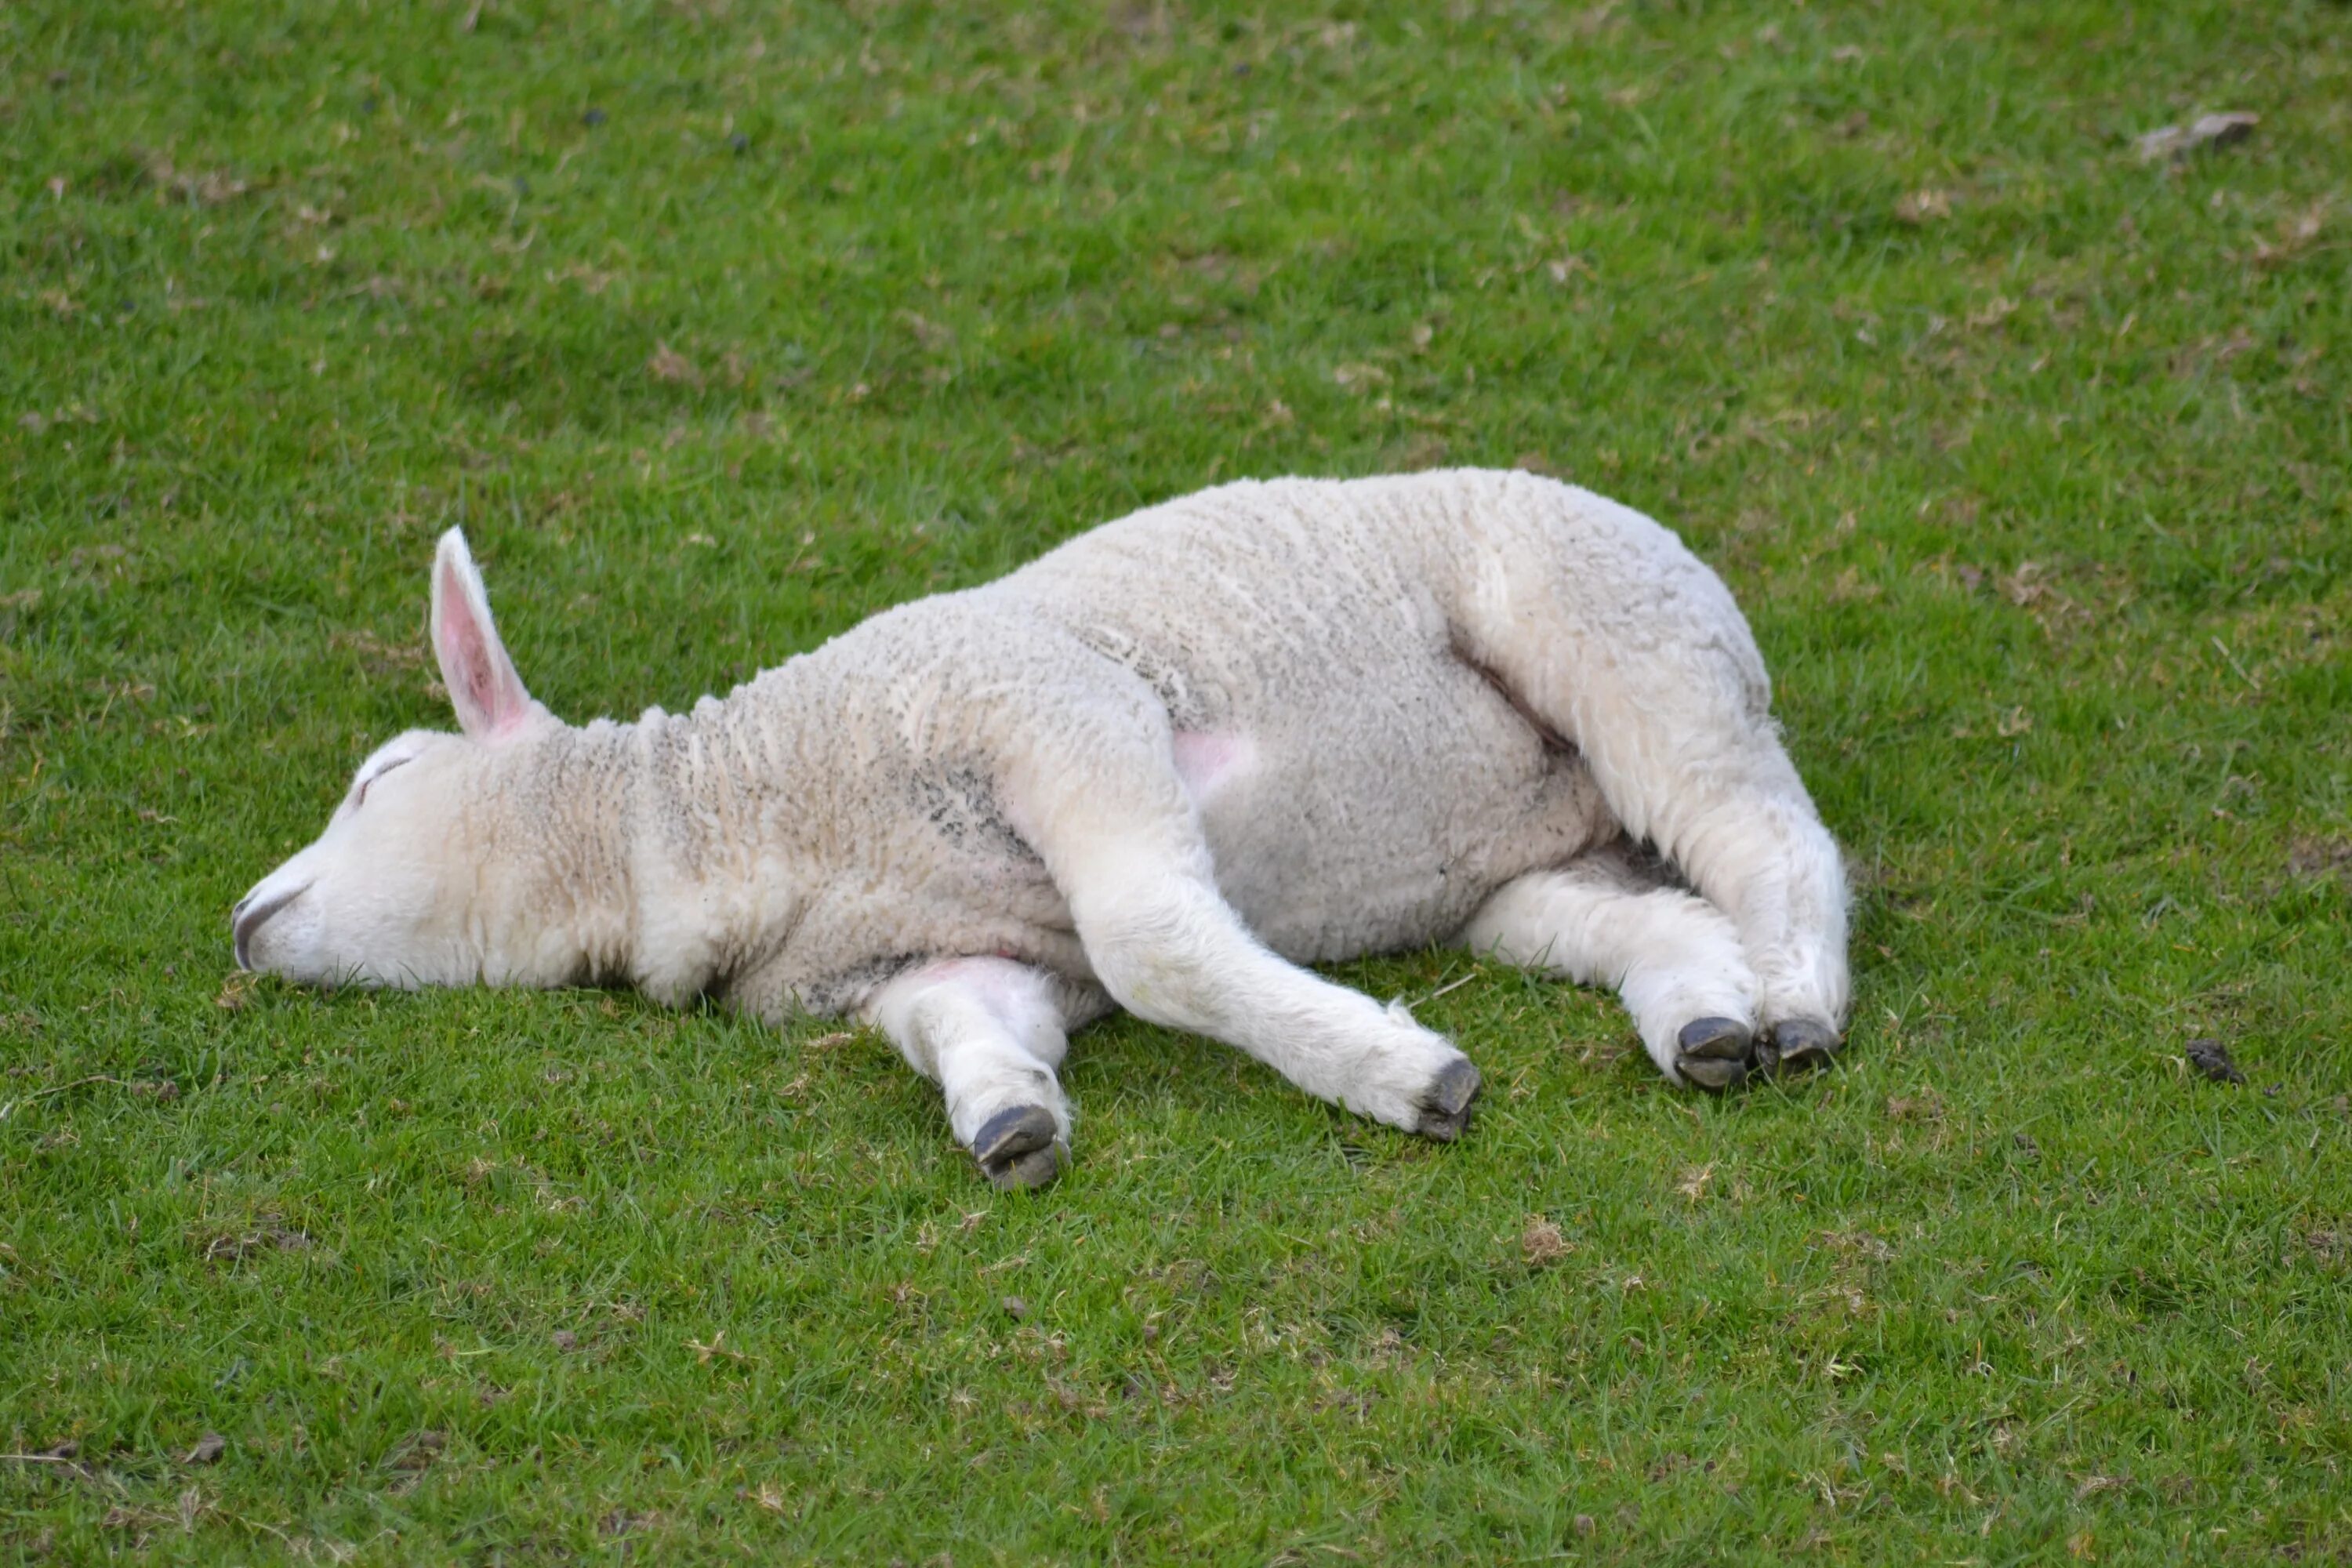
(1723, 1039)
(1445, 1109)
(1019, 1148)
(1714, 1053)
(1712, 1072)
(1804, 1045)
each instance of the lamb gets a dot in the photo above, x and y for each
(1161, 768)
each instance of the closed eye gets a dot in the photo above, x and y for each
(396, 762)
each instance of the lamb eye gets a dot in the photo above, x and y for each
(396, 762)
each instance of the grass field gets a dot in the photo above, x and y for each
(721, 325)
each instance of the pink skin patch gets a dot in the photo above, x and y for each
(1206, 762)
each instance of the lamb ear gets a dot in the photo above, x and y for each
(483, 686)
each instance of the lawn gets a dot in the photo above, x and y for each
(721, 325)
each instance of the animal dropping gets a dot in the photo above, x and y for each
(2211, 1059)
(1163, 768)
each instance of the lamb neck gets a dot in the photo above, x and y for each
(724, 854)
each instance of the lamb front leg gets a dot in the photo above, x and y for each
(989, 1032)
(1093, 784)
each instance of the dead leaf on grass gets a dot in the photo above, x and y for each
(1997, 311)
(590, 279)
(669, 365)
(2024, 585)
(418, 1451)
(2312, 856)
(1541, 1242)
(1423, 451)
(1921, 207)
(1857, 1244)
(2206, 131)
(207, 188)
(1850, 588)
(717, 1347)
(233, 1247)
(2295, 235)
(927, 332)
(209, 1447)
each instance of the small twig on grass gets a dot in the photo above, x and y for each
(1452, 985)
(2231, 659)
(239, 1519)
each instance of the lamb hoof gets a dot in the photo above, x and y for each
(1445, 1109)
(1804, 1043)
(1019, 1148)
(1721, 1039)
(1038, 1168)
(1714, 1053)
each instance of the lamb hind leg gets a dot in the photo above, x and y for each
(1673, 958)
(989, 1032)
(1605, 626)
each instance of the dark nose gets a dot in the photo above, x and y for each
(249, 917)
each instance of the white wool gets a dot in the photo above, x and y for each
(1269, 724)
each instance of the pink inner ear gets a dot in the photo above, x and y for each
(483, 685)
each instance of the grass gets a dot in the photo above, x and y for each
(722, 325)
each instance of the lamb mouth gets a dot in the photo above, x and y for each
(248, 918)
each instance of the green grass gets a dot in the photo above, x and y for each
(2039, 503)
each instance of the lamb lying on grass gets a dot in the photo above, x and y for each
(1263, 726)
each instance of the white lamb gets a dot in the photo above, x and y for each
(1160, 768)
